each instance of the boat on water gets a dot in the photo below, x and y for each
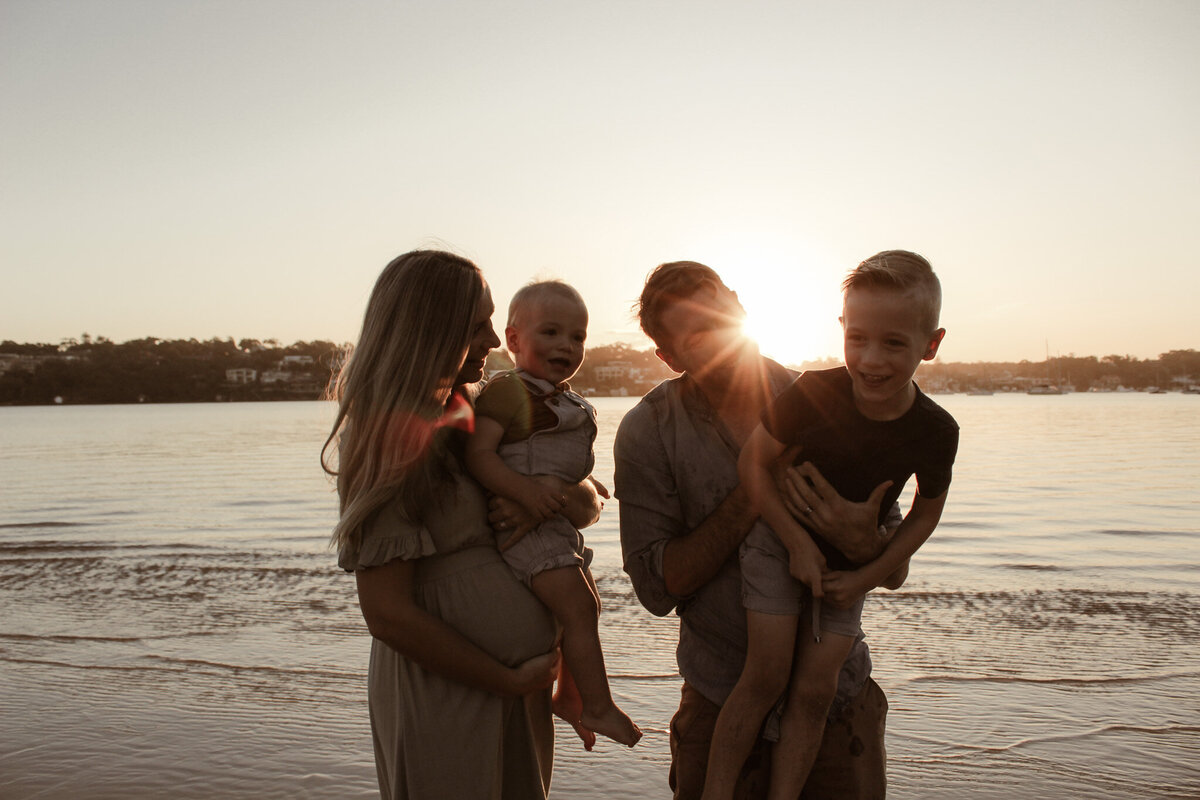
(1044, 388)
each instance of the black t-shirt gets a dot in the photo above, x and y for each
(856, 454)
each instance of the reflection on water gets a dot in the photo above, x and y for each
(174, 624)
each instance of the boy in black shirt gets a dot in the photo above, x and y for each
(860, 425)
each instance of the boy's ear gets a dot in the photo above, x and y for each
(665, 357)
(511, 340)
(934, 342)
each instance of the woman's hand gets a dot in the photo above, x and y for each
(583, 506)
(542, 501)
(848, 526)
(535, 674)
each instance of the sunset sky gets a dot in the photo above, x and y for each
(198, 169)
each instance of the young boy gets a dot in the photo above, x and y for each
(529, 423)
(860, 425)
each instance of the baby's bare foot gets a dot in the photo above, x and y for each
(614, 724)
(568, 706)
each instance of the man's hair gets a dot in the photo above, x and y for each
(531, 293)
(666, 284)
(905, 272)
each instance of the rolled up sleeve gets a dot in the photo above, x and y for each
(650, 512)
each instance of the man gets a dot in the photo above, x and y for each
(684, 514)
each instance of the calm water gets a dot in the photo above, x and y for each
(174, 625)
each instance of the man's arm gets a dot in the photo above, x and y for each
(666, 561)
(693, 559)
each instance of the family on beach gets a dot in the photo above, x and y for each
(757, 504)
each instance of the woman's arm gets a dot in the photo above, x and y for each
(583, 504)
(385, 595)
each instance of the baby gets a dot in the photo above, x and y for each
(528, 425)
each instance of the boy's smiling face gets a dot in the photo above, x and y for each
(884, 343)
(548, 340)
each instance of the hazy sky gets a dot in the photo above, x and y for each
(197, 169)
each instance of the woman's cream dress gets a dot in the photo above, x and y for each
(435, 738)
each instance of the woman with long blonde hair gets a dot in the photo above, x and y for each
(462, 655)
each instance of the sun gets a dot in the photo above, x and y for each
(791, 295)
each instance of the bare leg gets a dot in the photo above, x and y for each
(764, 677)
(569, 595)
(568, 705)
(813, 685)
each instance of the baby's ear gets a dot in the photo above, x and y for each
(934, 343)
(511, 340)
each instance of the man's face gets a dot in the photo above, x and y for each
(704, 335)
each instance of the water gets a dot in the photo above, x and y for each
(174, 624)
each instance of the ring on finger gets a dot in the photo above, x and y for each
(808, 509)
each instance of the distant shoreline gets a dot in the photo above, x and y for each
(151, 370)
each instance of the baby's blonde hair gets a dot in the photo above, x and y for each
(905, 272)
(532, 292)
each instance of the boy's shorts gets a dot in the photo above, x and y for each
(554, 544)
(769, 588)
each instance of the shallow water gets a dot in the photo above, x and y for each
(175, 625)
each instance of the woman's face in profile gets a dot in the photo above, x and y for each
(483, 340)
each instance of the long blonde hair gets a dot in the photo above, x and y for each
(394, 384)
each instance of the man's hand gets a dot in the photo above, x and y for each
(850, 527)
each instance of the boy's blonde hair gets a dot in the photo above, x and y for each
(901, 271)
(530, 293)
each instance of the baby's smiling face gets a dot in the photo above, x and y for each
(548, 340)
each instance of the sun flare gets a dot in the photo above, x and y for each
(791, 295)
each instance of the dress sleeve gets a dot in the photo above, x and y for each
(387, 535)
(649, 507)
